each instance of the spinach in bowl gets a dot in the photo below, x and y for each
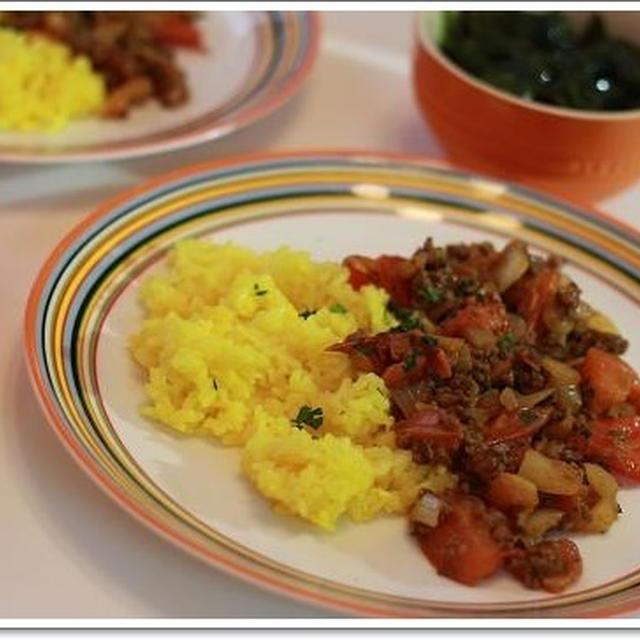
(540, 56)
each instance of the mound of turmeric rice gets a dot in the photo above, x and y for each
(42, 86)
(234, 347)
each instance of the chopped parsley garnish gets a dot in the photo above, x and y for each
(407, 321)
(337, 308)
(507, 341)
(410, 361)
(431, 294)
(364, 349)
(308, 416)
(465, 287)
(307, 313)
(430, 341)
(258, 291)
(214, 382)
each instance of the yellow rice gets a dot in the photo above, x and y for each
(228, 354)
(42, 86)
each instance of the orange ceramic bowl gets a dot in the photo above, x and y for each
(580, 155)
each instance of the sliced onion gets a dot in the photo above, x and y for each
(560, 372)
(513, 264)
(599, 322)
(481, 338)
(509, 399)
(512, 401)
(427, 509)
(517, 325)
(550, 475)
(532, 399)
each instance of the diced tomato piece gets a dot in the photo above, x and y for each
(460, 546)
(392, 273)
(634, 395)
(178, 31)
(418, 366)
(511, 426)
(609, 378)
(440, 363)
(396, 375)
(399, 357)
(432, 427)
(395, 277)
(532, 294)
(488, 317)
(401, 345)
(361, 271)
(615, 443)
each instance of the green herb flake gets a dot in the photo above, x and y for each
(431, 294)
(337, 308)
(406, 320)
(429, 341)
(258, 291)
(507, 341)
(410, 323)
(307, 313)
(410, 361)
(214, 382)
(309, 417)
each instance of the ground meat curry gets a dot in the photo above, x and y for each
(500, 371)
(132, 50)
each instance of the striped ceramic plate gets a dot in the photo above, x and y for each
(251, 64)
(84, 305)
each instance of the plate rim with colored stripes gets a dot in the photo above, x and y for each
(104, 253)
(287, 46)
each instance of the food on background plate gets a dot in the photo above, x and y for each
(129, 55)
(467, 387)
(42, 86)
(541, 56)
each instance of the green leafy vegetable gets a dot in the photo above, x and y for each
(430, 341)
(307, 416)
(410, 361)
(541, 56)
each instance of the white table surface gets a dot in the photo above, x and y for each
(65, 549)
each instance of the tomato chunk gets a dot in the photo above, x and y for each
(392, 273)
(460, 546)
(513, 425)
(615, 442)
(487, 317)
(609, 378)
(533, 294)
(177, 30)
(634, 395)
